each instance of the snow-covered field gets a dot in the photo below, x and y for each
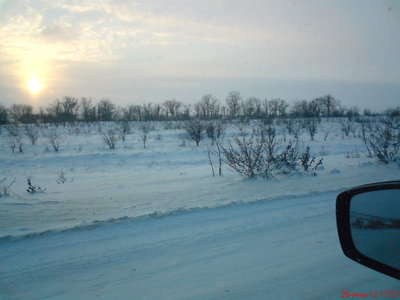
(135, 223)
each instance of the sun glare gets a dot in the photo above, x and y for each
(34, 85)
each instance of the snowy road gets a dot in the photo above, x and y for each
(278, 249)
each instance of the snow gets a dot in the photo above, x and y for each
(134, 223)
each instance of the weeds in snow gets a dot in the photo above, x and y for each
(5, 186)
(61, 179)
(34, 188)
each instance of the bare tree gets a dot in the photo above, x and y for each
(186, 111)
(70, 107)
(328, 104)
(250, 107)
(265, 105)
(305, 109)
(208, 107)
(21, 113)
(277, 107)
(233, 102)
(172, 108)
(273, 107)
(106, 110)
(88, 110)
(3, 115)
(65, 110)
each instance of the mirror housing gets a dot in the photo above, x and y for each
(368, 224)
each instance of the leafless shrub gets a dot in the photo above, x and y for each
(308, 161)
(261, 153)
(125, 129)
(270, 141)
(54, 140)
(326, 131)
(282, 129)
(109, 136)
(365, 128)
(383, 141)
(293, 126)
(392, 122)
(311, 126)
(14, 141)
(247, 154)
(215, 130)
(194, 130)
(288, 123)
(347, 127)
(145, 128)
(32, 133)
(14, 138)
(215, 151)
(286, 159)
(5, 186)
(210, 160)
(352, 154)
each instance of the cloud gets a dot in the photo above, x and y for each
(41, 35)
(54, 33)
(181, 38)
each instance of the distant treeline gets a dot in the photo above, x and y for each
(71, 109)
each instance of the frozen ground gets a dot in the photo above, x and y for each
(280, 249)
(134, 223)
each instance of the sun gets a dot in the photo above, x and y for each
(34, 85)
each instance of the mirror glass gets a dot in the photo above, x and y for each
(375, 225)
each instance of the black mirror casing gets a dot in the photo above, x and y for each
(343, 221)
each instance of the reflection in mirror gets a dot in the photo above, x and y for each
(375, 225)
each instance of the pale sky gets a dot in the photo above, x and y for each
(152, 50)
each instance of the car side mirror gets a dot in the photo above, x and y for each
(368, 224)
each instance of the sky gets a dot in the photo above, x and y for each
(381, 203)
(153, 50)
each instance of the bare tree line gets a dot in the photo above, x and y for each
(71, 109)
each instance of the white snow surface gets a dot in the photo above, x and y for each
(135, 223)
